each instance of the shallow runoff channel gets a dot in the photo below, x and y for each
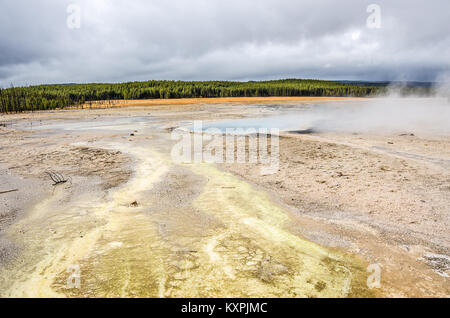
(173, 230)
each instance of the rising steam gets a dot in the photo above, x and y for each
(389, 114)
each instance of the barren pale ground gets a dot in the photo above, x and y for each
(138, 224)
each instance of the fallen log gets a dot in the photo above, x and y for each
(13, 190)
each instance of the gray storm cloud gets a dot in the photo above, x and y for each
(233, 40)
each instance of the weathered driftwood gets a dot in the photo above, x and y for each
(57, 178)
(13, 190)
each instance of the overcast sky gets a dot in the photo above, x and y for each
(222, 39)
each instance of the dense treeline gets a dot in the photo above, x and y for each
(43, 97)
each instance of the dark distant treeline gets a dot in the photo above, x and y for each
(43, 97)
